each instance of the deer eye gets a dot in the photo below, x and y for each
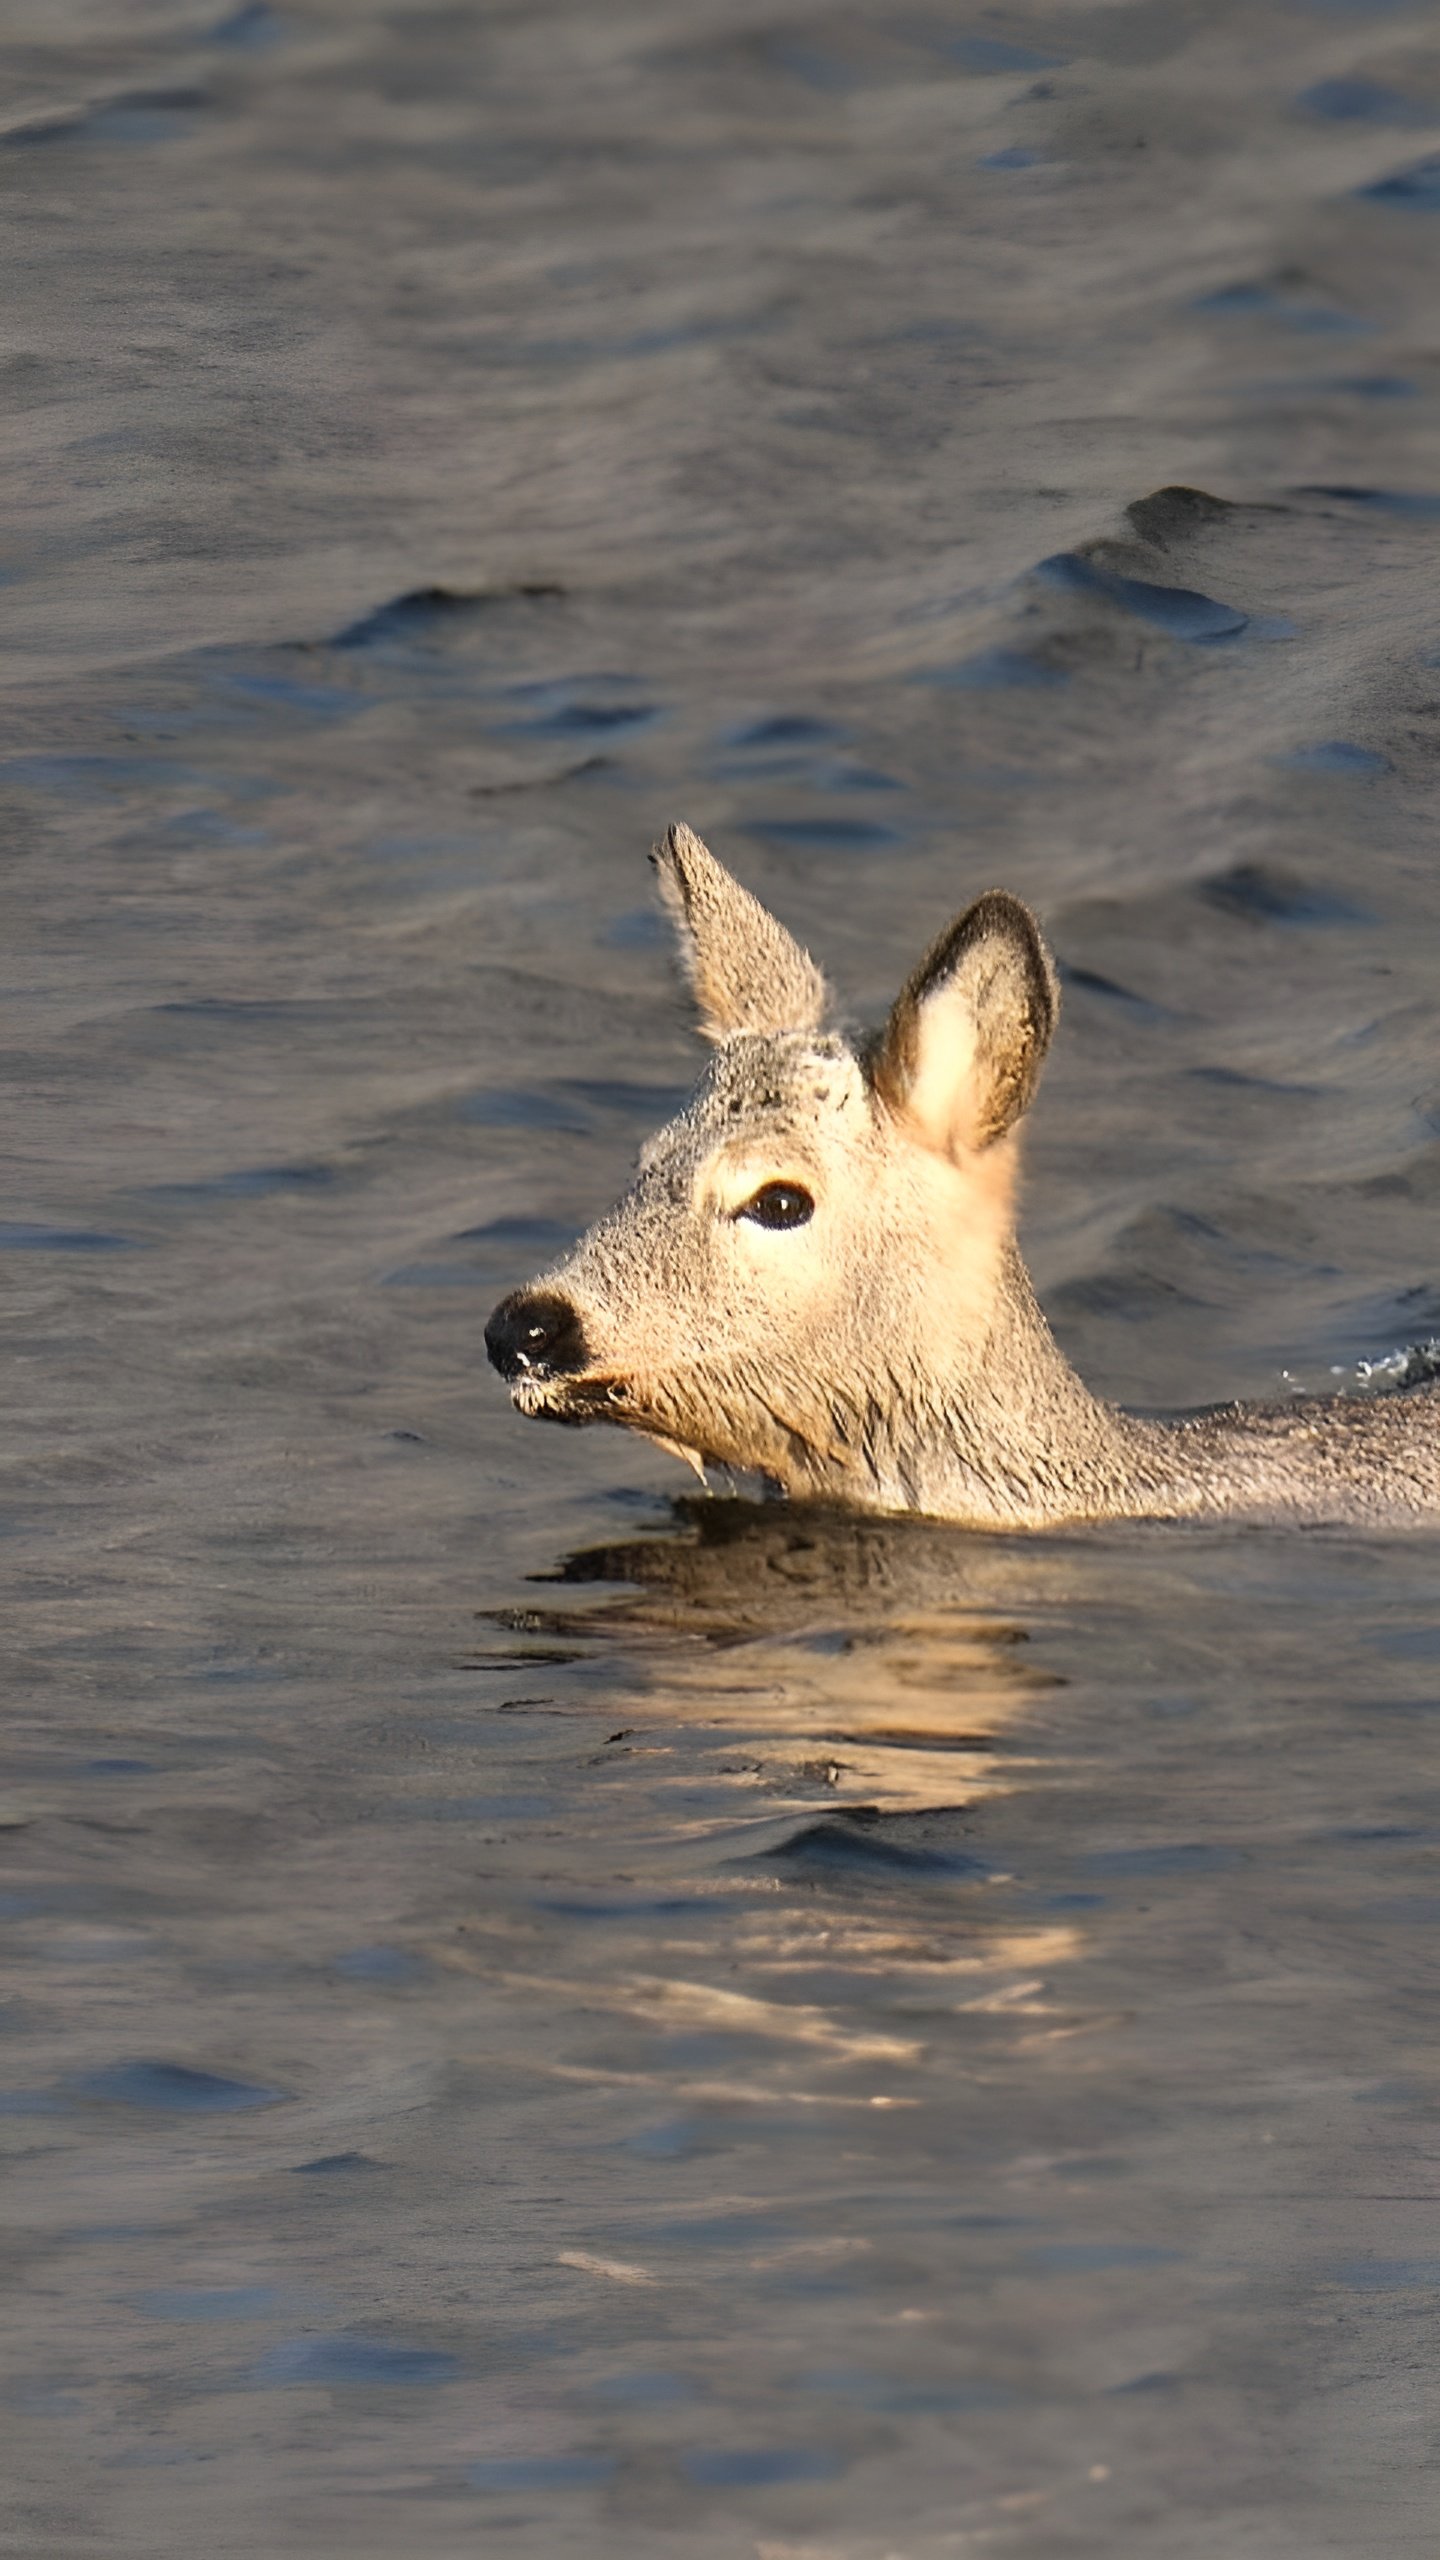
(780, 1204)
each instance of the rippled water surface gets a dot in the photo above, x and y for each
(541, 2015)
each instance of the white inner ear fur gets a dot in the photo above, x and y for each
(943, 1103)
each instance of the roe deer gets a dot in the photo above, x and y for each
(816, 1276)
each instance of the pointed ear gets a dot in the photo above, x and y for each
(961, 1055)
(744, 970)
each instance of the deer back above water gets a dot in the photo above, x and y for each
(815, 1275)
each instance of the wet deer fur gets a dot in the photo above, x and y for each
(815, 1274)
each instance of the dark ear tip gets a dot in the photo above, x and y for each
(997, 914)
(1000, 911)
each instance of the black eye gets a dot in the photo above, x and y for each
(780, 1204)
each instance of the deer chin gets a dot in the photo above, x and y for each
(577, 1401)
(574, 1400)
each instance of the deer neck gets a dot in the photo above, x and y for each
(1014, 1436)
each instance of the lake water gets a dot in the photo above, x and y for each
(540, 2014)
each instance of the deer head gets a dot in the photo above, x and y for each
(808, 1274)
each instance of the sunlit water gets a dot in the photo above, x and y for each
(537, 2018)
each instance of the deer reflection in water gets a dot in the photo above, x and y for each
(874, 1660)
(821, 1709)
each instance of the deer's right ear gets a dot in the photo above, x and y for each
(961, 1055)
(744, 970)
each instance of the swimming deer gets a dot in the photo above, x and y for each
(815, 1275)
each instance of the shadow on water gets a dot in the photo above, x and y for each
(877, 1649)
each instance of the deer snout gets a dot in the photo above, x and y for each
(534, 1329)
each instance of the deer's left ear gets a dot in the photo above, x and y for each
(960, 1056)
(745, 971)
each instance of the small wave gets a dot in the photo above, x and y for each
(1414, 1365)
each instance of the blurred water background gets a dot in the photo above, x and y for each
(539, 2018)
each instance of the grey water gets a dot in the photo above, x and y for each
(541, 2013)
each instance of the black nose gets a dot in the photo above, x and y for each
(535, 1330)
